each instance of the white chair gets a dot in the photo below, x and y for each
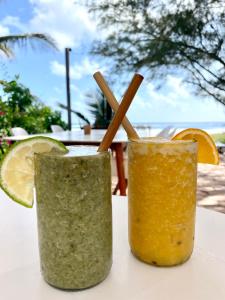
(172, 133)
(18, 131)
(56, 128)
(143, 130)
(165, 132)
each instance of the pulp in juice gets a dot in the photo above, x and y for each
(162, 200)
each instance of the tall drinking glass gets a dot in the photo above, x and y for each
(162, 200)
(74, 217)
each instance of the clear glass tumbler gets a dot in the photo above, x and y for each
(162, 178)
(74, 214)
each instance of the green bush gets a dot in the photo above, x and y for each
(219, 137)
(19, 108)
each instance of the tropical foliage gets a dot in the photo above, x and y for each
(19, 108)
(4, 145)
(7, 42)
(77, 113)
(166, 37)
(33, 39)
(219, 137)
(99, 109)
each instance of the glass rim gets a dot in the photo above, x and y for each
(160, 141)
(68, 155)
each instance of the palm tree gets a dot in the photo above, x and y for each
(77, 113)
(6, 42)
(100, 109)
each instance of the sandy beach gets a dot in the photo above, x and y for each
(211, 185)
(211, 178)
(148, 131)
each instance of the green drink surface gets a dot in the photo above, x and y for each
(74, 217)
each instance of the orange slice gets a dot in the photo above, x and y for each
(207, 151)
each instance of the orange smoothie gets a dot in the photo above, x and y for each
(162, 178)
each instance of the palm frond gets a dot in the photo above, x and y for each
(24, 40)
(6, 50)
(97, 106)
(77, 113)
(2, 82)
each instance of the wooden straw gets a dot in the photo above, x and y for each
(119, 115)
(132, 134)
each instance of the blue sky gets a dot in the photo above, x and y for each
(70, 25)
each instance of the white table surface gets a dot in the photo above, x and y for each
(96, 136)
(202, 277)
(78, 135)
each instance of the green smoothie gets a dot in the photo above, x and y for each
(74, 216)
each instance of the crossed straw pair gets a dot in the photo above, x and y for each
(119, 109)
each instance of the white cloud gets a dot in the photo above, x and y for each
(142, 102)
(14, 22)
(151, 104)
(74, 88)
(158, 98)
(68, 23)
(4, 30)
(58, 90)
(177, 87)
(173, 94)
(77, 71)
(57, 68)
(174, 102)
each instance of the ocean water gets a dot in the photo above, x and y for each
(201, 125)
(156, 127)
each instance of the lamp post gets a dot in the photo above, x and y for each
(67, 58)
